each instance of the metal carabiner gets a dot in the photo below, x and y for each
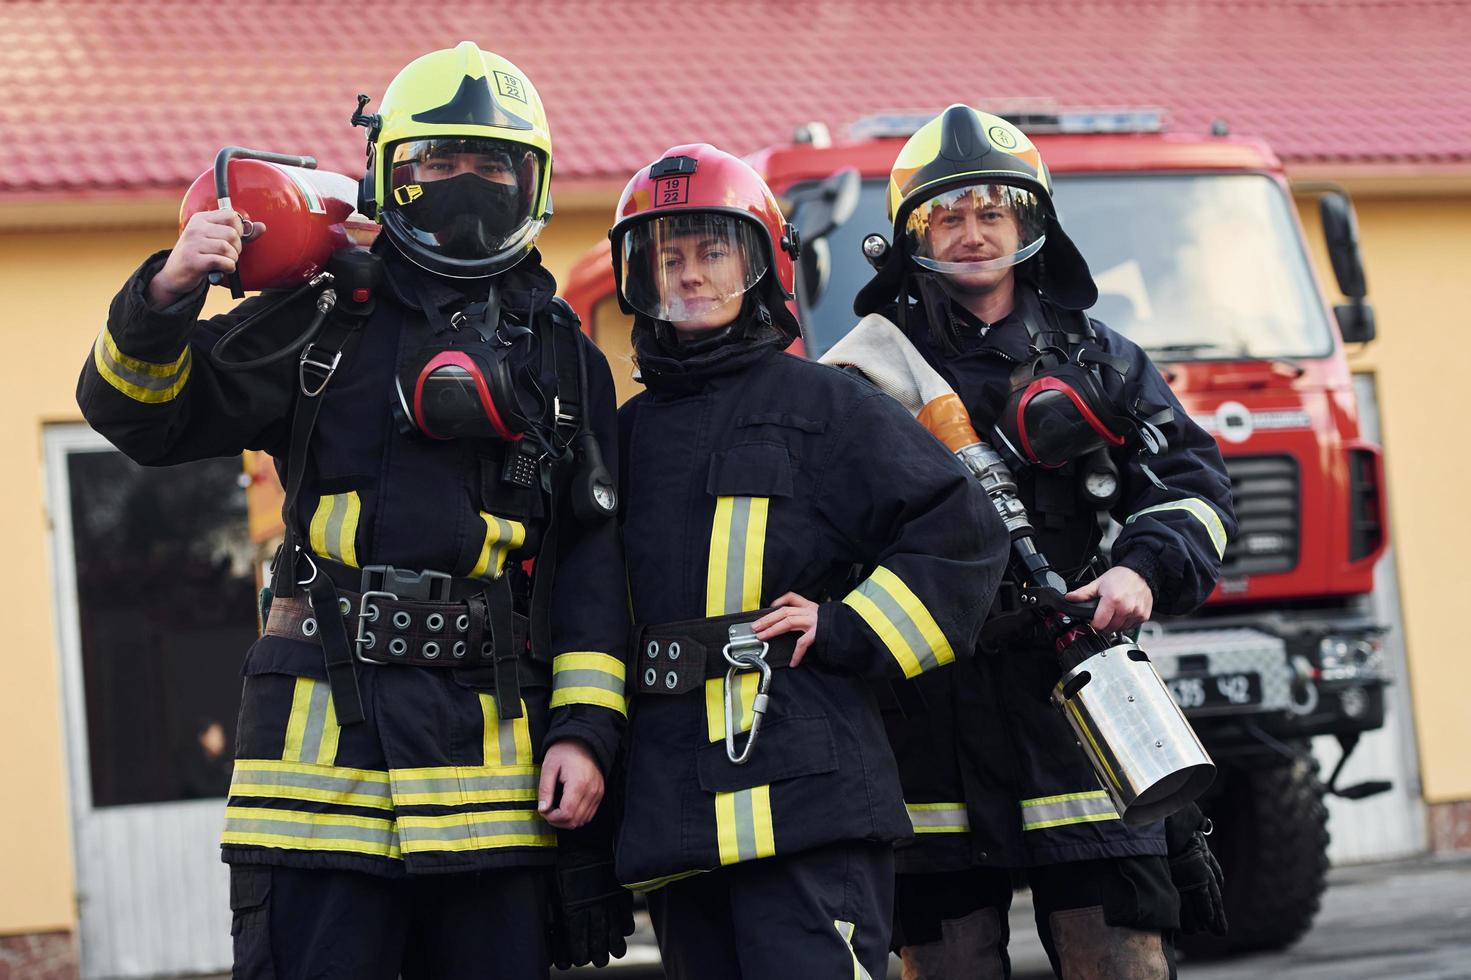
(745, 657)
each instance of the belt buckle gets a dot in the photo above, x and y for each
(363, 620)
(404, 584)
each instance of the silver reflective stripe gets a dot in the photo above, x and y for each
(249, 781)
(470, 826)
(938, 818)
(735, 562)
(466, 784)
(310, 832)
(901, 620)
(1071, 808)
(316, 720)
(1201, 511)
(590, 678)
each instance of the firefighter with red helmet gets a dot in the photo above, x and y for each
(791, 535)
(985, 283)
(425, 727)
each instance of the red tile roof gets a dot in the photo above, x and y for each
(135, 96)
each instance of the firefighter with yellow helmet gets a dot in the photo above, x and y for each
(426, 725)
(985, 283)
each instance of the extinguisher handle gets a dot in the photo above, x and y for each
(222, 191)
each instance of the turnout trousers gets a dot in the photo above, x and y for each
(823, 914)
(293, 923)
(1110, 919)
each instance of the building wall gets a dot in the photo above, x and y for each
(1415, 258)
(56, 287)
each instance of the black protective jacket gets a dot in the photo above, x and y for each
(992, 773)
(433, 780)
(749, 473)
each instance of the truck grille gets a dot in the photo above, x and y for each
(1265, 492)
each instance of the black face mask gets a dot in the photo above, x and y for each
(469, 216)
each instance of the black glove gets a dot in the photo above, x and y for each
(1195, 872)
(591, 913)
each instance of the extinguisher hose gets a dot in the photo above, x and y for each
(325, 302)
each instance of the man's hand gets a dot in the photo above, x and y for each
(571, 765)
(1124, 599)
(210, 242)
(794, 614)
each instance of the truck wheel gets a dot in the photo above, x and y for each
(1271, 838)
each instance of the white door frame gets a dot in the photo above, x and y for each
(152, 895)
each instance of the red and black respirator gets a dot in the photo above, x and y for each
(1061, 408)
(466, 392)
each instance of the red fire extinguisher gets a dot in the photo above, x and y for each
(308, 215)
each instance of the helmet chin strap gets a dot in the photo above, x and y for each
(753, 319)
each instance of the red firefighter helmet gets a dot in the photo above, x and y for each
(700, 195)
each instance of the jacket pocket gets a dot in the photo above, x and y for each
(785, 749)
(751, 469)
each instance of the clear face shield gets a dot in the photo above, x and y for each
(976, 229)
(464, 203)
(692, 268)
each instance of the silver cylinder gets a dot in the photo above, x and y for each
(1142, 748)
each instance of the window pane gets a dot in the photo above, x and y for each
(165, 590)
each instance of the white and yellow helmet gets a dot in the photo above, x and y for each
(479, 111)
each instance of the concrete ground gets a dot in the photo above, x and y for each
(1403, 920)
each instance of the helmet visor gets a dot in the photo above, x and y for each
(692, 267)
(976, 228)
(464, 201)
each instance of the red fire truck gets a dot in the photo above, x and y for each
(1199, 256)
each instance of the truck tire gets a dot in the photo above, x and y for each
(1271, 838)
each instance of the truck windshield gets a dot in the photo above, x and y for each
(1190, 267)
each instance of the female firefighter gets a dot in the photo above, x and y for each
(423, 726)
(791, 535)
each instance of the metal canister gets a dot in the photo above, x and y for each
(1138, 740)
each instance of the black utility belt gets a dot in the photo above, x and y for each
(676, 658)
(387, 631)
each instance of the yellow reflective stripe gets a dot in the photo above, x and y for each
(476, 831)
(846, 930)
(296, 830)
(938, 818)
(588, 677)
(588, 660)
(505, 742)
(1201, 511)
(743, 825)
(284, 780)
(312, 731)
(501, 538)
(142, 381)
(901, 621)
(589, 695)
(334, 527)
(755, 546)
(737, 550)
(743, 699)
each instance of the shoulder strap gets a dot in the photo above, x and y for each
(565, 354)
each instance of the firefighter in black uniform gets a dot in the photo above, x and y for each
(422, 719)
(983, 281)
(791, 533)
